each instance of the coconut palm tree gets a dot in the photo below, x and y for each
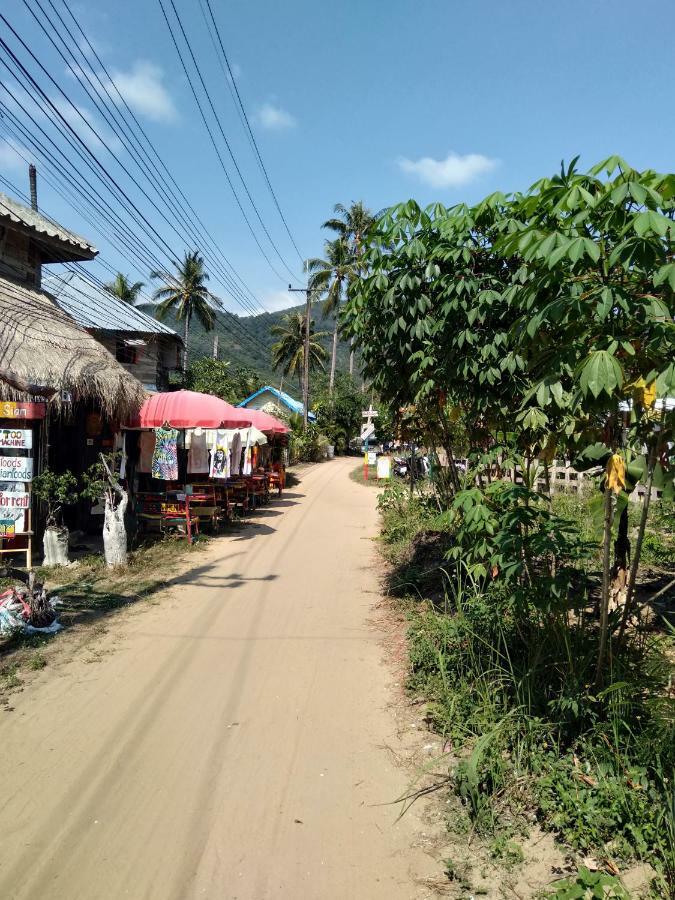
(124, 289)
(351, 224)
(186, 294)
(288, 352)
(329, 277)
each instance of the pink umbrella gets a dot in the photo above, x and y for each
(189, 409)
(265, 422)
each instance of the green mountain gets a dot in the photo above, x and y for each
(246, 340)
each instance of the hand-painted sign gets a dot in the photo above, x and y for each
(13, 506)
(10, 410)
(383, 467)
(372, 457)
(17, 438)
(16, 468)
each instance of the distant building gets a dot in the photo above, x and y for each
(146, 348)
(268, 396)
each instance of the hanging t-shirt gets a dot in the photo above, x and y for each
(165, 455)
(198, 458)
(248, 457)
(235, 454)
(220, 457)
(147, 448)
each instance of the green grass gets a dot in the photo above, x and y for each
(358, 475)
(508, 681)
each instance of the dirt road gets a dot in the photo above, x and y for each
(233, 743)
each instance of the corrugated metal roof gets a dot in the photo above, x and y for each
(290, 402)
(19, 214)
(94, 307)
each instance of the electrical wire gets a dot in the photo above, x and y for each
(122, 101)
(177, 213)
(234, 90)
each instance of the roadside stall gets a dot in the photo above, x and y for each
(184, 458)
(273, 458)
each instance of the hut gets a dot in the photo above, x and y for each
(62, 394)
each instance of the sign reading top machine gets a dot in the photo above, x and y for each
(16, 438)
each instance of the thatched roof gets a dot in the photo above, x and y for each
(41, 343)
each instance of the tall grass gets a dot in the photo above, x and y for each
(510, 683)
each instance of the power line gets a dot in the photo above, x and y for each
(97, 283)
(231, 81)
(147, 168)
(141, 130)
(157, 240)
(222, 133)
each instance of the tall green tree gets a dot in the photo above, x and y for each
(124, 289)
(184, 292)
(329, 278)
(352, 223)
(289, 350)
(543, 321)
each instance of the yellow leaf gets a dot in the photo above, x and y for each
(649, 395)
(644, 394)
(454, 413)
(616, 473)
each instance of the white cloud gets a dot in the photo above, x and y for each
(95, 135)
(143, 89)
(274, 118)
(453, 171)
(81, 119)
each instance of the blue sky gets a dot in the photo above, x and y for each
(375, 101)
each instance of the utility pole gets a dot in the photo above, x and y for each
(305, 361)
(215, 346)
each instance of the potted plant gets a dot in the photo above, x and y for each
(101, 483)
(56, 491)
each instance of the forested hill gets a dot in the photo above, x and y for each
(246, 341)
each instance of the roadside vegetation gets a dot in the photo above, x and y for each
(530, 328)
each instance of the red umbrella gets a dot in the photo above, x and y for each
(265, 422)
(189, 409)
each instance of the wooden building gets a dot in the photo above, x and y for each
(56, 380)
(148, 349)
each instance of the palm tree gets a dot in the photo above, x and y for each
(186, 294)
(124, 289)
(352, 224)
(288, 352)
(330, 277)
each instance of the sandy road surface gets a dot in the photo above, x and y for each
(232, 744)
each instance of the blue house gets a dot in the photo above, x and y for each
(283, 401)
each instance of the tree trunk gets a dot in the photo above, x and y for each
(114, 532)
(333, 360)
(351, 357)
(619, 575)
(55, 546)
(186, 333)
(604, 603)
(637, 553)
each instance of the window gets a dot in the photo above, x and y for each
(126, 354)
